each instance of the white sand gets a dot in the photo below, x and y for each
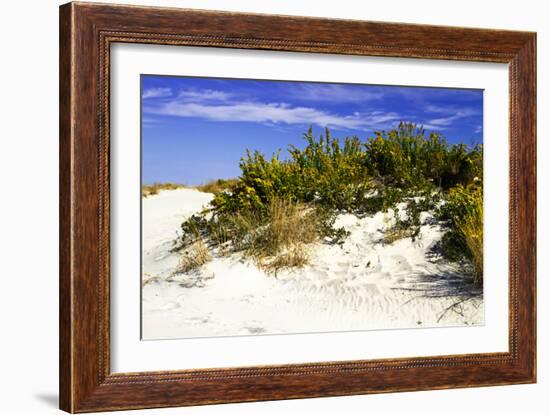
(362, 284)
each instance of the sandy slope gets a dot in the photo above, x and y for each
(162, 216)
(362, 284)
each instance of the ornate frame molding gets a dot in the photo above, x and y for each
(86, 33)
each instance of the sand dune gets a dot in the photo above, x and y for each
(359, 285)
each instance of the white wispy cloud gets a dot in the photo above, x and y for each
(449, 115)
(439, 109)
(446, 121)
(274, 113)
(189, 95)
(334, 93)
(215, 105)
(156, 93)
(150, 121)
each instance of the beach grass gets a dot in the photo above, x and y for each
(471, 227)
(193, 257)
(282, 241)
(216, 186)
(154, 189)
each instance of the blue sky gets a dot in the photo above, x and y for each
(197, 129)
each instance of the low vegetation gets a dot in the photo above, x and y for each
(193, 257)
(463, 211)
(153, 189)
(281, 241)
(405, 222)
(471, 227)
(217, 186)
(280, 205)
(214, 186)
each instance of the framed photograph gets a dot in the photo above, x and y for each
(258, 207)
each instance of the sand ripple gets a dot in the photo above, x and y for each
(359, 285)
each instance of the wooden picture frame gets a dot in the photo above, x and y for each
(86, 33)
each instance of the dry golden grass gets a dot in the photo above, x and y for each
(396, 233)
(274, 239)
(472, 229)
(216, 186)
(149, 279)
(278, 241)
(393, 232)
(153, 189)
(296, 257)
(193, 257)
(289, 225)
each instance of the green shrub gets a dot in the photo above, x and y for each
(406, 223)
(329, 176)
(461, 201)
(325, 173)
(407, 158)
(463, 211)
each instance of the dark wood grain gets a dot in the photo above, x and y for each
(86, 33)
(65, 245)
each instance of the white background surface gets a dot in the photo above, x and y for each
(129, 354)
(29, 229)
